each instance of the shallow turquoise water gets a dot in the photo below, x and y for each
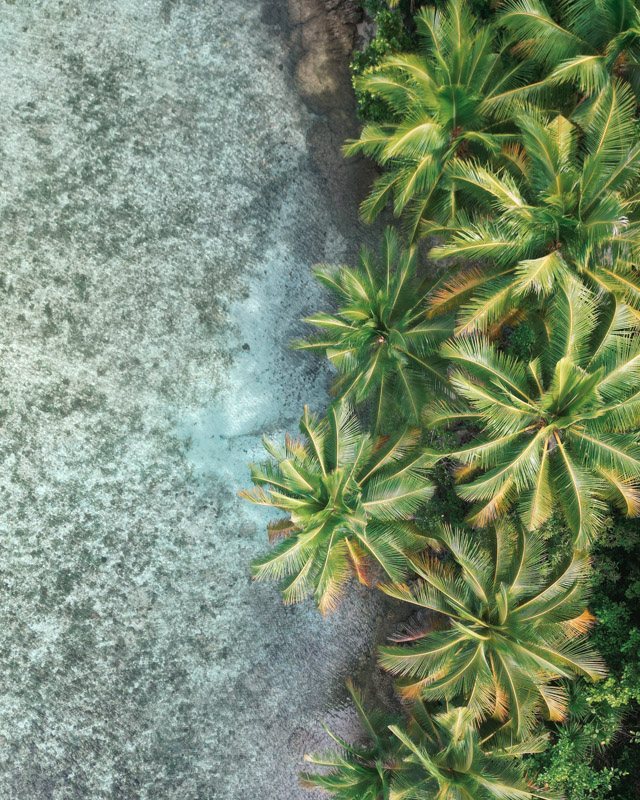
(159, 213)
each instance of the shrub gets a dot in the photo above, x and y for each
(391, 37)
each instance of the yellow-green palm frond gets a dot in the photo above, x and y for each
(561, 431)
(511, 633)
(582, 44)
(380, 339)
(349, 501)
(442, 103)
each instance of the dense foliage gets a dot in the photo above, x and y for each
(425, 756)
(499, 504)
(561, 202)
(391, 37)
(587, 45)
(596, 753)
(559, 430)
(444, 102)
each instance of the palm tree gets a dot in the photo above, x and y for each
(380, 339)
(424, 757)
(587, 44)
(512, 631)
(559, 206)
(442, 102)
(359, 772)
(348, 499)
(448, 760)
(563, 427)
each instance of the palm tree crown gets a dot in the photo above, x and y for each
(512, 631)
(558, 207)
(380, 339)
(424, 757)
(592, 42)
(442, 101)
(563, 426)
(348, 498)
(358, 772)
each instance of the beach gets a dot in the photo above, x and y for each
(170, 173)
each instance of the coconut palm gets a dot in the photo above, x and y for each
(559, 207)
(379, 339)
(359, 771)
(562, 428)
(348, 498)
(440, 756)
(442, 105)
(448, 760)
(587, 43)
(512, 633)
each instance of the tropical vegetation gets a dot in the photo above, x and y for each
(559, 431)
(380, 340)
(559, 203)
(585, 44)
(507, 630)
(391, 37)
(425, 755)
(596, 750)
(444, 104)
(348, 498)
(479, 462)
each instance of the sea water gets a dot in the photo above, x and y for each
(159, 215)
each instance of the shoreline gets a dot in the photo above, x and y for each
(164, 199)
(322, 37)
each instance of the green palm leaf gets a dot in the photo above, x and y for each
(583, 44)
(552, 212)
(439, 113)
(348, 502)
(509, 637)
(380, 339)
(566, 434)
(422, 755)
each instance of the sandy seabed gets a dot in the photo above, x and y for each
(159, 213)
